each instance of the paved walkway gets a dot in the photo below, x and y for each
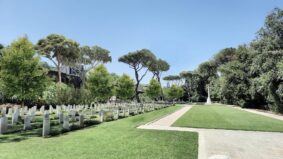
(227, 144)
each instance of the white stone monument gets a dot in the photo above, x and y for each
(3, 124)
(208, 101)
(27, 124)
(81, 120)
(66, 124)
(46, 124)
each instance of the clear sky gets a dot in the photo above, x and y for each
(183, 32)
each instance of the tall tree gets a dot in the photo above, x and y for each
(1, 49)
(89, 58)
(225, 55)
(269, 48)
(99, 83)
(125, 87)
(175, 79)
(175, 92)
(21, 74)
(153, 90)
(157, 68)
(138, 61)
(59, 50)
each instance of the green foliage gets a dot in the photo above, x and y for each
(125, 87)
(89, 58)
(93, 56)
(59, 50)
(137, 61)
(22, 77)
(1, 49)
(250, 75)
(175, 92)
(99, 83)
(60, 93)
(50, 94)
(153, 90)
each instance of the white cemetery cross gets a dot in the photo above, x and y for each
(66, 124)
(3, 124)
(27, 120)
(208, 101)
(46, 124)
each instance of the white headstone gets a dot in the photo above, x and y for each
(61, 117)
(46, 124)
(101, 114)
(27, 120)
(3, 124)
(81, 120)
(208, 101)
(15, 117)
(66, 124)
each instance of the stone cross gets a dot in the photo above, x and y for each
(208, 100)
(46, 124)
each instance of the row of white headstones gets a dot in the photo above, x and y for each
(64, 113)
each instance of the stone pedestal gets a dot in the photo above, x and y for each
(208, 100)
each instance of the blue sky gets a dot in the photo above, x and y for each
(183, 32)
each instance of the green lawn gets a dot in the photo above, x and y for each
(117, 139)
(225, 117)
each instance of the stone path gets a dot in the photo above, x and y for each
(226, 144)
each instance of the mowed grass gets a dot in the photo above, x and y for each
(225, 117)
(112, 140)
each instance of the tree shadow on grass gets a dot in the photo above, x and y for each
(55, 131)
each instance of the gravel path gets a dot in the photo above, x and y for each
(227, 144)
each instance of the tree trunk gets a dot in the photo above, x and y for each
(159, 81)
(59, 73)
(137, 93)
(137, 86)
